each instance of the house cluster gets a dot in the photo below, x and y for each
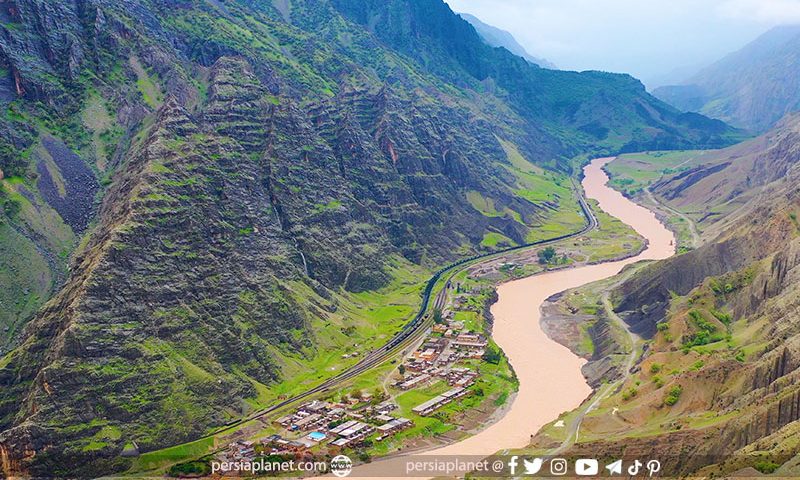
(312, 416)
(440, 352)
(248, 451)
(357, 418)
(437, 356)
(321, 422)
(437, 359)
(239, 451)
(461, 301)
(350, 432)
(454, 376)
(460, 377)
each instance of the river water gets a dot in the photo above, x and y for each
(550, 379)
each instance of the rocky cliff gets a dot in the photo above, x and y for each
(248, 170)
(593, 105)
(716, 389)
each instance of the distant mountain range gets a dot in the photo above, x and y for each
(751, 88)
(497, 37)
(201, 198)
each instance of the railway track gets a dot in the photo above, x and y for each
(418, 325)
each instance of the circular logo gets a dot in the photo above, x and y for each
(341, 465)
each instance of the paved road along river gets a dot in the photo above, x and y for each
(549, 374)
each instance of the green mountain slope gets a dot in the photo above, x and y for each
(497, 37)
(588, 110)
(751, 88)
(243, 191)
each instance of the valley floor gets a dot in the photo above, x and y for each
(550, 375)
(494, 395)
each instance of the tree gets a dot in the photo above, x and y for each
(766, 466)
(546, 255)
(8, 205)
(364, 456)
(437, 316)
(673, 395)
(377, 396)
(402, 369)
(491, 355)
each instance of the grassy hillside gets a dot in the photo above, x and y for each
(713, 388)
(230, 196)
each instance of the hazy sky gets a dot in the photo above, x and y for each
(655, 40)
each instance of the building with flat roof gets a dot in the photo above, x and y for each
(395, 425)
(340, 442)
(352, 430)
(426, 408)
(344, 426)
(414, 382)
(470, 340)
(308, 422)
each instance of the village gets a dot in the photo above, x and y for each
(361, 419)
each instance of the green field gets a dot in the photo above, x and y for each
(25, 280)
(150, 92)
(363, 322)
(97, 120)
(632, 172)
(496, 240)
(168, 456)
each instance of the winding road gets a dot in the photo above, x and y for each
(573, 431)
(661, 244)
(691, 225)
(550, 375)
(417, 327)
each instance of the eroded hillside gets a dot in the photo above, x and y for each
(208, 189)
(715, 389)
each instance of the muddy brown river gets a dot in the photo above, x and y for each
(550, 379)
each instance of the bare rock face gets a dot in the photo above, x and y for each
(76, 204)
(162, 233)
(759, 228)
(757, 400)
(643, 300)
(744, 285)
(183, 281)
(251, 178)
(734, 174)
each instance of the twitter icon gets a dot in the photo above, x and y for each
(532, 467)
